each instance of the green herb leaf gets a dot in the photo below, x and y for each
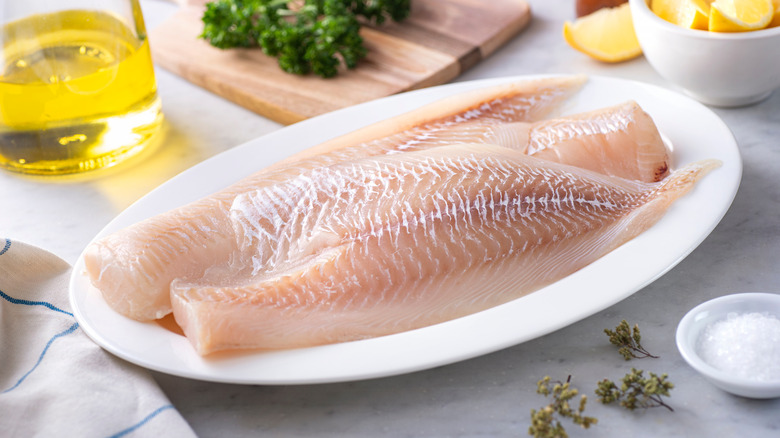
(307, 36)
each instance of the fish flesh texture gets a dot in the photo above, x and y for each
(134, 268)
(619, 141)
(396, 242)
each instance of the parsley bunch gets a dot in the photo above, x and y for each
(307, 36)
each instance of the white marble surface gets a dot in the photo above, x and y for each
(487, 396)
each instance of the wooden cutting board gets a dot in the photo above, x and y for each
(439, 40)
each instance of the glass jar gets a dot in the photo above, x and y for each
(77, 85)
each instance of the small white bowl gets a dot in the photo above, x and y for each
(720, 69)
(696, 321)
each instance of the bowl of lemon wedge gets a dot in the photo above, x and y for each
(721, 52)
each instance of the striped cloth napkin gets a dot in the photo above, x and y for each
(54, 381)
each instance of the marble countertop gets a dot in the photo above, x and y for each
(491, 395)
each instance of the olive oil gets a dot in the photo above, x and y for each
(77, 92)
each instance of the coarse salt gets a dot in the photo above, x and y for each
(746, 345)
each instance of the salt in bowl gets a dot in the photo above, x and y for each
(709, 313)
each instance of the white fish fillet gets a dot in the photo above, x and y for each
(392, 243)
(135, 267)
(619, 141)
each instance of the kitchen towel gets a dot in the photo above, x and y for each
(54, 381)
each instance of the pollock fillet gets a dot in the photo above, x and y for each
(134, 268)
(397, 242)
(620, 141)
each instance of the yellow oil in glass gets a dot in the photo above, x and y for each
(77, 92)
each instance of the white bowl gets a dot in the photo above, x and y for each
(696, 321)
(721, 69)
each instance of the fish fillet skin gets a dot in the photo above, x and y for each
(134, 267)
(398, 242)
(619, 141)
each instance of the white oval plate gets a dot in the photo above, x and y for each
(693, 131)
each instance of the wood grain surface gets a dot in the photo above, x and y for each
(439, 40)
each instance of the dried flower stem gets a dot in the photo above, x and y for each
(636, 391)
(544, 424)
(628, 340)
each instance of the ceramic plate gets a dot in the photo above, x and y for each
(693, 131)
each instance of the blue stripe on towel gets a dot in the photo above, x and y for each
(33, 303)
(67, 331)
(5, 248)
(132, 428)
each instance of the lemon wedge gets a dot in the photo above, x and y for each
(691, 14)
(607, 34)
(776, 18)
(740, 15)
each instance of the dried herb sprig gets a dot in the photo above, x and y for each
(636, 391)
(628, 340)
(544, 423)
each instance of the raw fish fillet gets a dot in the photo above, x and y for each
(396, 242)
(135, 267)
(619, 141)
